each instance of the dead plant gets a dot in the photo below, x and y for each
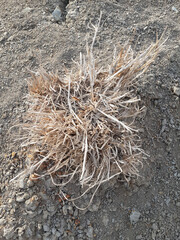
(82, 125)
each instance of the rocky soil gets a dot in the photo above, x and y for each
(32, 37)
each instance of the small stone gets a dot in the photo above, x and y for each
(31, 214)
(94, 207)
(13, 154)
(27, 10)
(30, 183)
(8, 232)
(139, 237)
(32, 203)
(176, 90)
(105, 220)
(51, 208)
(75, 212)
(21, 230)
(3, 38)
(2, 221)
(46, 228)
(154, 227)
(53, 230)
(58, 234)
(70, 208)
(21, 197)
(90, 232)
(178, 204)
(21, 183)
(134, 217)
(28, 232)
(64, 209)
(45, 215)
(174, 9)
(57, 15)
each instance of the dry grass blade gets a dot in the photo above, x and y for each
(82, 126)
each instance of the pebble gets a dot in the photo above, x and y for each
(139, 237)
(21, 197)
(75, 212)
(176, 90)
(134, 216)
(46, 228)
(28, 232)
(51, 209)
(90, 232)
(154, 227)
(21, 230)
(45, 214)
(2, 221)
(27, 10)
(174, 9)
(94, 207)
(58, 234)
(178, 204)
(65, 208)
(105, 220)
(32, 203)
(30, 183)
(57, 15)
(8, 232)
(21, 184)
(70, 208)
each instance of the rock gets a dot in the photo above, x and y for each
(8, 233)
(105, 220)
(70, 208)
(32, 203)
(53, 230)
(178, 204)
(31, 214)
(94, 207)
(2, 221)
(46, 228)
(174, 9)
(21, 184)
(134, 216)
(21, 230)
(21, 197)
(90, 232)
(154, 227)
(58, 234)
(64, 209)
(75, 212)
(57, 15)
(30, 183)
(139, 237)
(45, 214)
(27, 10)
(28, 232)
(176, 90)
(51, 209)
(2, 39)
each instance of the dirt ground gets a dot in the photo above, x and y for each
(30, 39)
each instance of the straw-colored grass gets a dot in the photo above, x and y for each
(82, 126)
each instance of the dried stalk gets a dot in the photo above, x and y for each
(83, 125)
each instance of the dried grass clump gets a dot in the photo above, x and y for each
(82, 125)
